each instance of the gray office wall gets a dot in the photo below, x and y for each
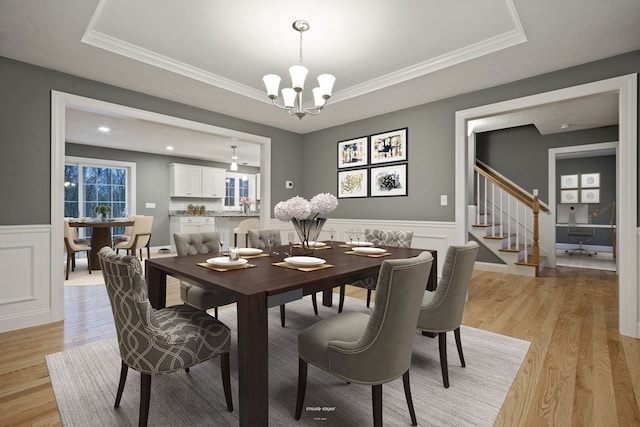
(431, 143)
(522, 154)
(25, 127)
(308, 160)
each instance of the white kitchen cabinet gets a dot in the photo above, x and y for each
(196, 181)
(213, 182)
(186, 180)
(190, 224)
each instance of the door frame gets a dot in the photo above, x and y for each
(60, 101)
(626, 175)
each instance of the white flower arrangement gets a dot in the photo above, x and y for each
(300, 208)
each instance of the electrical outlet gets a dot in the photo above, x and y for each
(288, 184)
(150, 205)
(535, 191)
(443, 200)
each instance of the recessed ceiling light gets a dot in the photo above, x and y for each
(104, 129)
(169, 147)
(565, 126)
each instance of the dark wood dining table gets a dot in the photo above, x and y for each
(100, 235)
(258, 288)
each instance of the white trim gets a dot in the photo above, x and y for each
(60, 101)
(627, 169)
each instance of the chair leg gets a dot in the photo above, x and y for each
(226, 380)
(282, 315)
(148, 251)
(442, 344)
(302, 387)
(215, 311)
(341, 305)
(68, 265)
(89, 261)
(376, 398)
(407, 395)
(368, 298)
(145, 397)
(456, 333)
(314, 301)
(124, 368)
(73, 262)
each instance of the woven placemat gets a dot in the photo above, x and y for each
(217, 268)
(295, 267)
(369, 255)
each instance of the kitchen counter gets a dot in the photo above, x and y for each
(217, 214)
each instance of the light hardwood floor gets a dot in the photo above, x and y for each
(579, 370)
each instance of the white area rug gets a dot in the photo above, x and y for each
(85, 381)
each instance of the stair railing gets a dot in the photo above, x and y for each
(527, 208)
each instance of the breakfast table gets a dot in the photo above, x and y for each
(100, 235)
(263, 282)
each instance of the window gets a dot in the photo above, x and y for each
(238, 186)
(93, 182)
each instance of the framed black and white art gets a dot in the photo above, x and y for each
(389, 147)
(353, 152)
(389, 181)
(353, 183)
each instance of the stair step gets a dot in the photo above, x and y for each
(504, 236)
(483, 225)
(530, 262)
(513, 248)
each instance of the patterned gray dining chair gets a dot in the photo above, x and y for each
(190, 293)
(442, 309)
(266, 239)
(371, 349)
(158, 341)
(398, 239)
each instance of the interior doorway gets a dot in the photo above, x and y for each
(604, 260)
(625, 87)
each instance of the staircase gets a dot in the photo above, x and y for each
(505, 220)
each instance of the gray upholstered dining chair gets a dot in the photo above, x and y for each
(158, 341)
(370, 349)
(398, 239)
(266, 239)
(442, 309)
(192, 294)
(73, 244)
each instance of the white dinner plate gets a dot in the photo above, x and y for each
(369, 251)
(304, 261)
(249, 251)
(360, 244)
(225, 261)
(313, 244)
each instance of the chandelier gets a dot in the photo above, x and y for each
(293, 96)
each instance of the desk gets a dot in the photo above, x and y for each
(100, 235)
(258, 288)
(596, 226)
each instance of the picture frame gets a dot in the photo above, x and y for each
(568, 196)
(353, 152)
(353, 183)
(387, 181)
(590, 196)
(569, 181)
(389, 146)
(590, 180)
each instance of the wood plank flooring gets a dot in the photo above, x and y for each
(579, 370)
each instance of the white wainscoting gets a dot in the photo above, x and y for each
(25, 286)
(427, 234)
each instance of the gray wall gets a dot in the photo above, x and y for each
(25, 128)
(522, 154)
(431, 143)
